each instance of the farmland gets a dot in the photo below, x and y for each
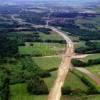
(47, 63)
(40, 49)
(31, 52)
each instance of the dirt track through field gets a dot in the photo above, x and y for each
(55, 93)
(90, 74)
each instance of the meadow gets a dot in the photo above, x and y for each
(41, 49)
(47, 63)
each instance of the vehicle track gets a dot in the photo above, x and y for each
(55, 92)
(89, 74)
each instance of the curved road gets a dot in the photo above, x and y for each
(55, 92)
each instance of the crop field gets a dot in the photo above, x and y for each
(50, 80)
(19, 92)
(52, 36)
(93, 23)
(25, 32)
(76, 38)
(80, 44)
(95, 69)
(36, 49)
(87, 78)
(40, 49)
(90, 97)
(74, 82)
(91, 56)
(47, 63)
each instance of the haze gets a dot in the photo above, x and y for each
(43, 1)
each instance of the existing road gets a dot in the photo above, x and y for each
(63, 70)
(91, 75)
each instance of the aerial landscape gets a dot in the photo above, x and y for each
(49, 50)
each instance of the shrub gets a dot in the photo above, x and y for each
(91, 88)
(78, 63)
(66, 90)
(52, 69)
(4, 83)
(37, 86)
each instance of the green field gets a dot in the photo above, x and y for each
(25, 32)
(95, 69)
(91, 56)
(90, 97)
(37, 49)
(19, 92)
(74, 82)
(80, 44)
(88, 78)
(94, 21)
(47, 62)
(52, 36)
(94, 97)
(50, 81)
(41, 49)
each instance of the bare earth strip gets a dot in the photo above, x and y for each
(63, 70)
(80, 56)
(90, 74)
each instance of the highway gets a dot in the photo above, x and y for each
(55, 92)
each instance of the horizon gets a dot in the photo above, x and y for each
(47, 1)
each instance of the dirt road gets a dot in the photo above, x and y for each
(63, 70)
(91, 75)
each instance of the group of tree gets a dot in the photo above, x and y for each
(33, 17)
(4, 83)
(91, 87)
(37, 86)
(90, 62)
(83, 34)
(91, 47)
(8, 47)
(72, 15)
(44, 30)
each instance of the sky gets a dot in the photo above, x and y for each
(65, 1)
(51, 0)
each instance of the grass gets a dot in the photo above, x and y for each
(47, 62)
(95, 21)
(50, 80)
(74, 38)
(41, 49)
(87, 78)
(95, 69)
(19, 92)
(80, 44)
(37, 49)
(94, 97)
(25, 32)
(84, 97)
(85, 21)
(74, 82)
(91, 56)
(52, 36)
